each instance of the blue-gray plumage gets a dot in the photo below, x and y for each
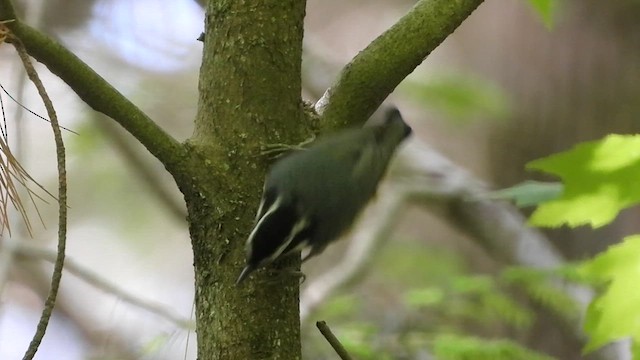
(313, 196)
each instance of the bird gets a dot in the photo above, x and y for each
(313, 196)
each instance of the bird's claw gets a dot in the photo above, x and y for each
(278, 274)
(275, 151)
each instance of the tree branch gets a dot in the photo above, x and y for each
(112, 341)
(333, 340)
(91, 277)
(373, 74)
(62, 201)
(94, 90)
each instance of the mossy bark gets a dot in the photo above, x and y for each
(249, 96)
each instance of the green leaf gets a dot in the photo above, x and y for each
(635, 349)
(482, 300)
(615, 313)
(460, 97)
(415, 265)
(505, 308)
(539, 285)
(546, 10)
(600, 179)
(340, 307)
(424, 297)
(456, 347)
(478, 284)
(529, 193)
(357, 340)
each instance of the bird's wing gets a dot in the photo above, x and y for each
(363, 158)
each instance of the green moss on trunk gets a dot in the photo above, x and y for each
(249, 96)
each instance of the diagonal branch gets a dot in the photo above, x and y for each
(94, 90)
(373, 74)
(333, 340)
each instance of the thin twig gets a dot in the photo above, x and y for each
(62, 202)
(333, 340)
(86, 274)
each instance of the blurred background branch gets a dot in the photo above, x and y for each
(31, 252)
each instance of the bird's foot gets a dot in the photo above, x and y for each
(277, 275)
(274, 151)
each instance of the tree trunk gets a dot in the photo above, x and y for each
(249, 96)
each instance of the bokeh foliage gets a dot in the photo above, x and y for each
(600, 179)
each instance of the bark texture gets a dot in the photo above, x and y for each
(249, 96)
